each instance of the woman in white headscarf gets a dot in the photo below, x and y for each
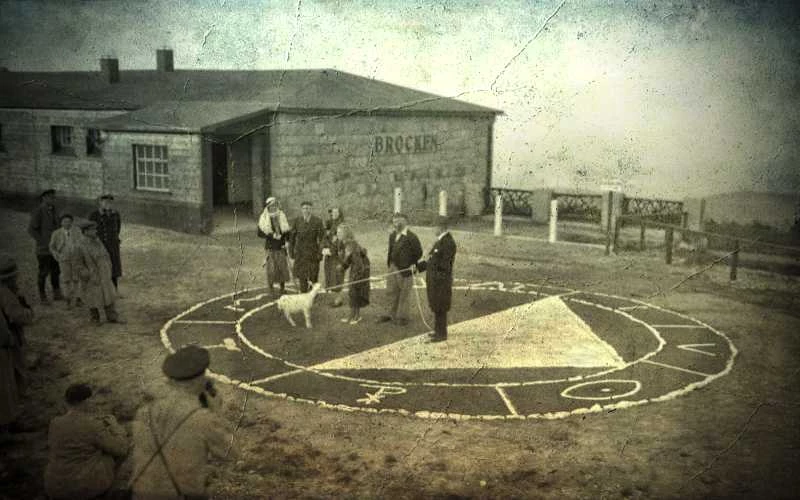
(274, 227)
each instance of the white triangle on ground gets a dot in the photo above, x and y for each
(543, 333)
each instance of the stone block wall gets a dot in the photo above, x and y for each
(355, 162)
(28, 163)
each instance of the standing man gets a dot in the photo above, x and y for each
(63, 246)
(94, 269)
(274, 227)
(44, 220)
(439, 282)
(404, 251)
(307, 237)
(174, 436)
(108, 228)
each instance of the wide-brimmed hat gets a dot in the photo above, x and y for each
(186, 363)
(270, 201)
(8, 267)
(46, 192)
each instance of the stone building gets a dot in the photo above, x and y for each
(174, 145)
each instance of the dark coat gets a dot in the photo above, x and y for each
(358, 262)
(306, 245)
(44, 220)
(439, 269)
(404, 252)
(109, 225)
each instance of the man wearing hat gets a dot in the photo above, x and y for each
(404, 251)
(308, 234)
(82, 449)
(274, 227)
(44, 220)
(94, 268)
(439, 278)
(63, 244)
(14, 315)
(174, 436)
(108, 227)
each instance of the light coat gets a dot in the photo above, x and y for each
(94, 268)
(64, 247)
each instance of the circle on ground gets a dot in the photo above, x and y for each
(514, 350)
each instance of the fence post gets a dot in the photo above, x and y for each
(734, 259)
(443, 203)
(641, 235)
(498, 215)
(552, 234)
(668, 236)
(617, 220)
(398, 200)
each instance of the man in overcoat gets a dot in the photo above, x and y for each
(94, 268)
(308, 234)
(109, 225)
(439, 278)
(404, 252)
(44, 220)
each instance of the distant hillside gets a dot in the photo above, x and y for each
(772, 209)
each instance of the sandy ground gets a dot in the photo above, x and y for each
(737, 437)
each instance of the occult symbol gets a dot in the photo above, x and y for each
(382, 392)
(605, 386)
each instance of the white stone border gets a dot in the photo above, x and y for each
(596, 408)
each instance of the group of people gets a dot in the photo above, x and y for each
(86, 260)
(171, 441)
(307, 241)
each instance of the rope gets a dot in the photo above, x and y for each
(381, 276)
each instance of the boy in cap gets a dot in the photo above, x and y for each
(44, 220)
(63, 245)
(404, 251)
(174, 436)
(439, 282)
(109, 225)
(83, 448)
(94, 268)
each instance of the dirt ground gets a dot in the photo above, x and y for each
(736, 437)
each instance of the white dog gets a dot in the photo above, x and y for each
(290, 304)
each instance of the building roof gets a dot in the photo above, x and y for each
(200, 94)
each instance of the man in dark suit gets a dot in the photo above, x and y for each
(306, 246)
(404, 251)
(439, 282)
(44, 220)
(109, 225)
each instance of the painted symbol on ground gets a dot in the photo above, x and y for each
(514, 351)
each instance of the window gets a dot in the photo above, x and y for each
(61, 138)
(93, 142)
(150, 167)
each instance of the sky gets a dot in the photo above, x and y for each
(667, 99)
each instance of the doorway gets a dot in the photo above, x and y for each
(219, 167)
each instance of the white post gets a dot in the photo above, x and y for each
(498, 215)
(443, 203)
(553, 220)
(398, 200)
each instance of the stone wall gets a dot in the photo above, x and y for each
(28, 163)
(355, 162)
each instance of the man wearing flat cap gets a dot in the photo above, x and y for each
(439, 278)
(109, 225)
(404, 251)
(94, 269)
(44, 220)
(174, 435)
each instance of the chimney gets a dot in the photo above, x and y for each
(109, 67)
(164, 62)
